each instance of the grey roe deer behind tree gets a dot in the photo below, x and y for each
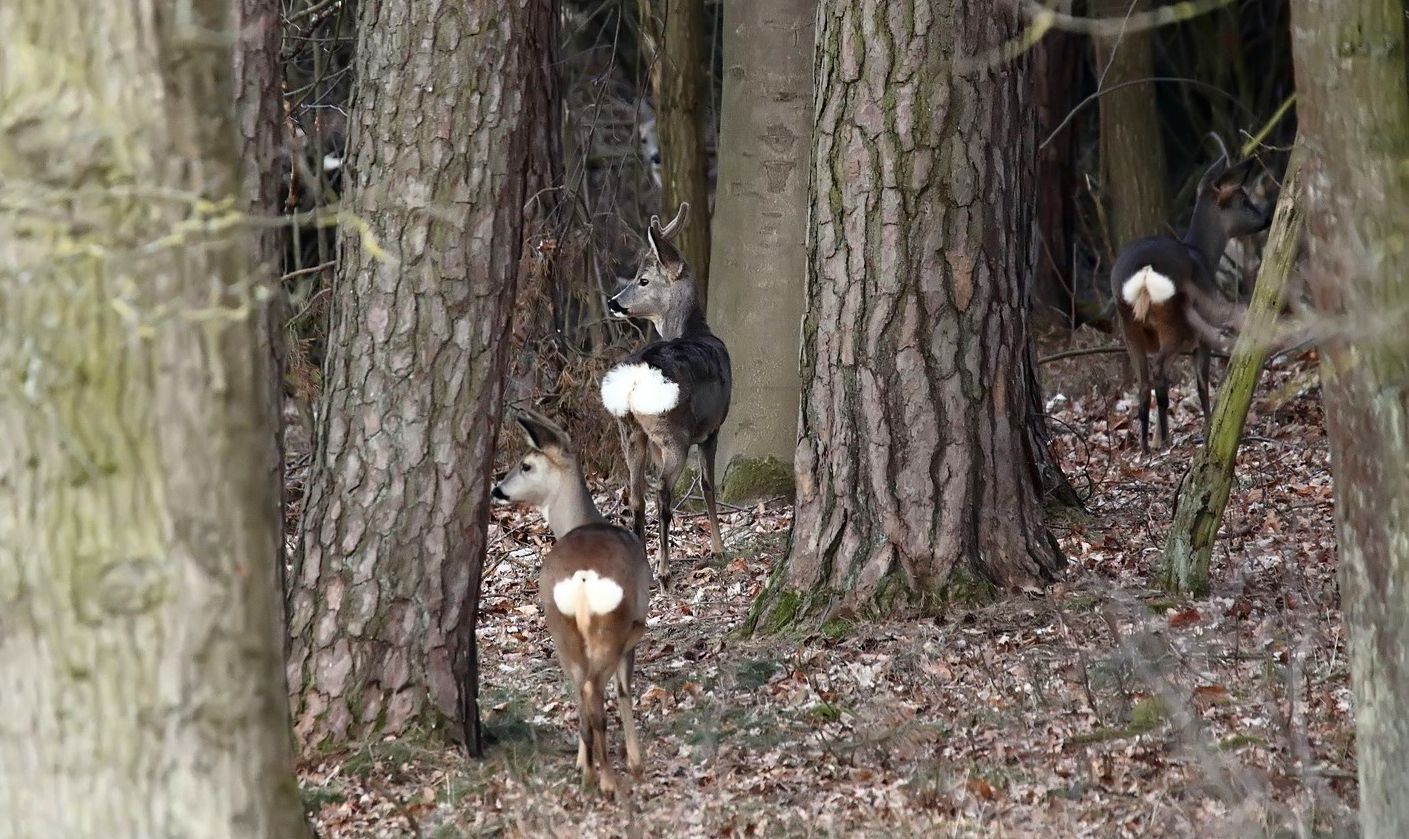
(447, 112)
(139, 540)
(915, 459)
(1353, 115)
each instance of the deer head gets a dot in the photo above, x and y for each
(1223, 195)
(663, 289)
(547, 468)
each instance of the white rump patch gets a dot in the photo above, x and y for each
(603, 594)
(638, 389)
(1158, 286)
(331, 163)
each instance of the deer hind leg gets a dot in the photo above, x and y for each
(1161, 374)
(625, 693)
(634, 447)
(594, 732)
(672, 463)
(1141, 365)
(707, 452)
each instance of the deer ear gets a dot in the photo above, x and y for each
(665, 252)
(541, 433)
(1213, 175)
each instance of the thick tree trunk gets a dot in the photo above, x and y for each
(1203, 493)
(760, 256)
(1353, 112)
(1057, 58)
(914, 456)
(681, 81)
(386, 591)
(259, 119)
(143, 692)
(1132, 153)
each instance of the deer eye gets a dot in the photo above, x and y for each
(526, 466)
(644, 281)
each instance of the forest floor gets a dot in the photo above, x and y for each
(1102, 708)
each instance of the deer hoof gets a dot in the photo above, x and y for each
(608, 785)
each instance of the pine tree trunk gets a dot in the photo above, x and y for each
(1353, 112)
(259, 121)
(914, 460)
(1203, 492)
(144, 691)
(681, 82)
(386, 590)
(1132, 153)
(1057, 58)
(760, 232)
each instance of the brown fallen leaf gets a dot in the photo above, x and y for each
(1188, 617)
(981, 788)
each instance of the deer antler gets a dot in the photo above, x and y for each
(675, 224)
(1221, 147)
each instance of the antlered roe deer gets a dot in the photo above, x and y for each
(1166, 297)
(672, 394)
(595, 586)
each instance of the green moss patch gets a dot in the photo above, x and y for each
(750, 478)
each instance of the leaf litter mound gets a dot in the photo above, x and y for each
(1104, 707)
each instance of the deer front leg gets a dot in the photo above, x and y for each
(707, 452)
(672, 463)
(1202, 358)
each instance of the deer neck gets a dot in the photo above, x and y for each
(682, 317)
(1206, 235)
(570, 507)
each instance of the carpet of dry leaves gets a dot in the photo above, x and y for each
(1102, 708)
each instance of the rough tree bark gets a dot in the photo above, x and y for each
(1132, 153)
(1353, 113)
(760, 233)
(139, 648)
(914, 459)
(1203, 492)
(1057, 58)
(259, 116)
(680, 80)
(385, 592)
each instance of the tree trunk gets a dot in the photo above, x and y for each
(1203, 493)
(259, 116)
(914, 457)
(1057, 57)
(761, 258)
(1353, 112)
(1132, 153)
(142, 666)
(681, 82)
(386, 591)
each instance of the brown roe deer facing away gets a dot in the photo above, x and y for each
(595, 586)
(1165, 292)
(674, 393)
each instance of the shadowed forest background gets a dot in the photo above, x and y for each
(276, 277)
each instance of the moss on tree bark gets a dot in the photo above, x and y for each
(1203, 492)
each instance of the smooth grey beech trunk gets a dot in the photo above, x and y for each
(760, 230)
